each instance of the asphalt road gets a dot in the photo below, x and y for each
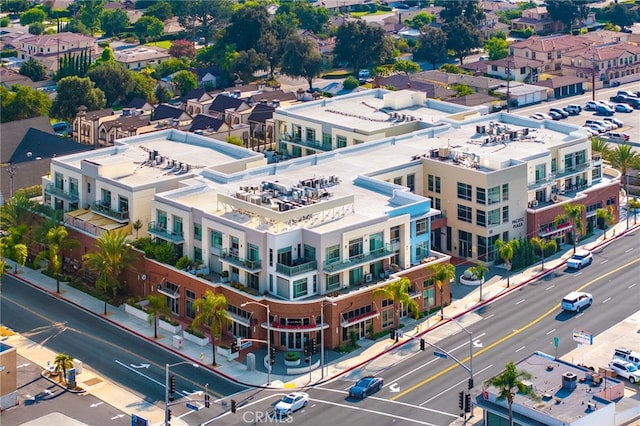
(127, 360)
(421, 389)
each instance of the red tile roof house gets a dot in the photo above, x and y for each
(612, 62)
(48, 48)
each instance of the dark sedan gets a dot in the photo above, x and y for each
(366, 386)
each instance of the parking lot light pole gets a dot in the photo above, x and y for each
(166, 387)
(322, 305)
(264, 305)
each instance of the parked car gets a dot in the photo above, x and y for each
(596, 128)
(602, 123)
(619, 99)
(627, 355)
(576, 301)
(623, 108)
(613, 120)
(625, 369)
(573, 109)
(560, 111)
(366, 386)
(579, 259)
(591, 106)
(617, 136)
(604, 110)
(290, 403)
(592, 132)
(556, 115)
(541, 116)
(627, 93)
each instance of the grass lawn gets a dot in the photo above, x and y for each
(361, 14)
(165, 44)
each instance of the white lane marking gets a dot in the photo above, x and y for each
(119, 416)
(627, 251)
(606, 300)
(632, 285)
(489, 316)
(578, 274)
(454, 386)
(550, 287)
(604, 261)
(579, 315)
(521, 301)
(520, 348)
(96, 404)
(393, 387)
(551, 331)
(139, 373)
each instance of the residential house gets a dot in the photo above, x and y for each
(141, 105)
(604, 63)
(261, 127)
(230, 109)
(275, 98)
(130, 123)
(139, 57)
(207, 77)
(198, 101)
(169, 115)
(548, 50)
(563, 86)
(86, 123)
(432, 89)
(9, 382)
(210, 126)
(538, 19)
(478, 83)
(9, 78)
(49, 48)
(517, 68)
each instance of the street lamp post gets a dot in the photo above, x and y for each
(166, 387)
(12, 173)
(470, 333)
(593, 78)
(626, 191)
(264, 305)
(322, 305)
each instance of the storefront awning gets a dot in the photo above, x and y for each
(359, 319)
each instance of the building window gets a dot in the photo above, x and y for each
(333, 282)
(394, 234)
(88, 187)
(326, 139)
(341, 141)
(411, 182)
(197, 232)
(106, 198)
(197, 254)
(553, 166)
(428, 296)
(355, 247)
(311, 134)
(387, 318)
(123, 204)
(190, 297)
(333, 253)
(430, 185)
(481, 195)
(464, 191)
(397, 180)
(464, 213)
(505, 192)
(437, 184)
(494, 195)
(421, 226)
(300, 288)
(505, 214)
(216, 239)
(494, 217)
(422, 250)
(541, 171)
(162, 219)
(481, 218)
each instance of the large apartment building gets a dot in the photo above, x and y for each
(322, 230)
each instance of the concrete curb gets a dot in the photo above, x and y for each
(44, 375)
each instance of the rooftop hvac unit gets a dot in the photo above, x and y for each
(591, 406)
(368, 278)
(480, 129)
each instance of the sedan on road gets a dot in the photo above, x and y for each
(290, 403)
(366, 386)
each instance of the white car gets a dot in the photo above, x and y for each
(579, 259)
(596, 127)
(613, 120)
(576, 301)
(591, 105)
(625, 369)
(541, 116)
(627, 355)
(290, 403)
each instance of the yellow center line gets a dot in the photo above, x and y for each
(508, 336)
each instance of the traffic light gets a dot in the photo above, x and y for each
(470, 383)
(234, 347)
(172, 384)
(422, 344)
(233, 406)
(461, 400)
(272, 355)
(314, 346)
(306, 351)
(467, 403)
(207, 404)
(168, 414)
(392, 334)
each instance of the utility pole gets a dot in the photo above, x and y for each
(593, 77)
(508, 84)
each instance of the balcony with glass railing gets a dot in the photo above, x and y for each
(307, 143)
(577, 169)
(61, 193)
(158, 230)
(231, 256)
(357, 260)
(106, 211)
(300, 266)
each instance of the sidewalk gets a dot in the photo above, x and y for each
(335, 366)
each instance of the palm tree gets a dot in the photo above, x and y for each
(19, 210)
(506, 250)
(633, 204)
(56, 240)
(543, 245)
(479, 271)
(572, 213)
(398, 291)
(442, 273)
(623, 157)
(212, 310)
(137, 226)
(606, 216)
(510, 382)
(157, 305)
(62, 363)
(599, 145)
(114, 255)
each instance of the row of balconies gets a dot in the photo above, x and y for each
(553, 177)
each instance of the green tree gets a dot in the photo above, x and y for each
(599, 145)
(506, 251)
(246, 62)
(479, 271)
(606, 218)
(618, 14)
(36, 28)
(113, 22)
(544, 246)
(24, 102)
(171, 66)
(470, 10)
(398, 292)
(75, 25)
(184, 81)
(270, 46)
(497, 48)
(361, 45)
(211, 15)
(4, 22)
(107, 56)
(565, 11)
(633, 205)
(62, 363)
(113, 79)
(143, 87)
(90, 12)
(137, 226)
(462, 37)
(301, 58)
(510, 382)
(161, 10)
(162, 94)
(623, 157)
(148, 27)
(211, 310)
(33, 15)
(443, 273)
(572, 213)
(56, 240)
(20, 254)
(420, 20)
(407, 67)
(19, 211)
(74, 92)
(432, 46)
(462, 89)
(310, 17)
(157, 306)
(246, 26)
(113, 256)
(182, 49)
(33, 69)
(15, 6)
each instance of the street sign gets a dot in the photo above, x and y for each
(582, 337)
(138, 421)
(440, 355)
(192, 407)
(556, 341)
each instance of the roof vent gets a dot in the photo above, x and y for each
(569, 380)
